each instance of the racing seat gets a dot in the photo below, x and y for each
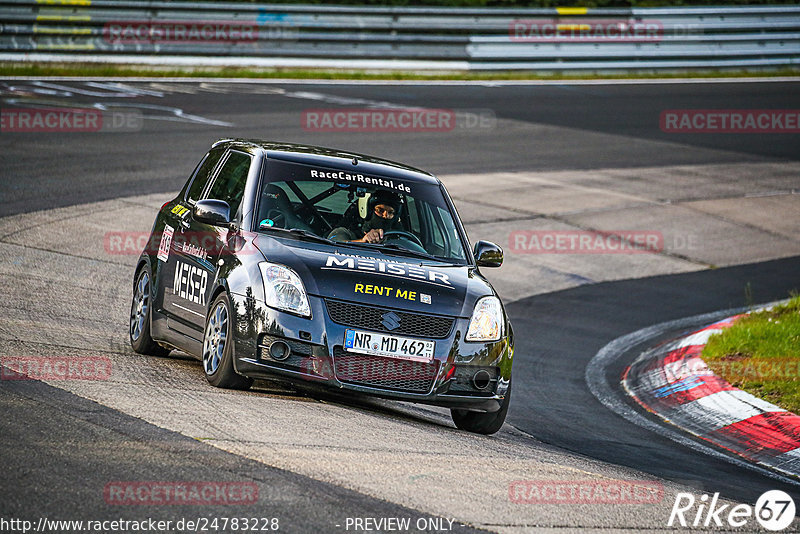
(277, 208)
(363, 210)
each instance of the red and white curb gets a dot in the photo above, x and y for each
(674, 383)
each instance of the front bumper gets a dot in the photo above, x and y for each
(317, 356)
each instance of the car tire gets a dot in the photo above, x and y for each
(140, 317)
(482, 422)
(218, 347)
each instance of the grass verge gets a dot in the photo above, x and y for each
(127, 71)
(760, 354)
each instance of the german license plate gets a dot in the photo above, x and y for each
(387, 345)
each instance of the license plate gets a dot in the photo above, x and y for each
(389, 346)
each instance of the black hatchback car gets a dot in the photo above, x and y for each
(316, 265)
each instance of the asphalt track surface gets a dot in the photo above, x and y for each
(570, 327)
(607, 127)
(50, 463)
(60, 451)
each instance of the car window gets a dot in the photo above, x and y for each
(413, 216)
(202, 173)
(231, 179)
(343, 206)
(445, 232)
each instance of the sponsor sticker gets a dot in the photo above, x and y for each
(388, 291)
(180, 210)
(166, 242)
(191, 250)
(360, 178)
(190, 283)
(388, 269)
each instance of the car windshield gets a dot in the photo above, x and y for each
(343, 206)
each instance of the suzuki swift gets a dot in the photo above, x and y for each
(317, 265)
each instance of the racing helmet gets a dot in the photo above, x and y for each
(388, 198)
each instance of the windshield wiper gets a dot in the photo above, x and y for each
(299, 232)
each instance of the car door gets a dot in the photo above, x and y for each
(176, 221)
(197, 248)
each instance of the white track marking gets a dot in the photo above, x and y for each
(721, 409)
(700, 338)
(615, 401)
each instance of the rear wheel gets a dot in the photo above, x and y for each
(218, 348)
(481, 422)
(139, 330)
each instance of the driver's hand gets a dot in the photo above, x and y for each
(373, 236)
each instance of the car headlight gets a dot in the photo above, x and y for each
(284, 290)
(487, 320)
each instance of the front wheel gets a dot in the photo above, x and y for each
(218, 348)
(480, 422)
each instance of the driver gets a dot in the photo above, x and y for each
(382, 209)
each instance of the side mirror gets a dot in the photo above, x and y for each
(488, 254)
(213, 212)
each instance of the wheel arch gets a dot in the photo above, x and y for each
(144, 261)
(221, 287)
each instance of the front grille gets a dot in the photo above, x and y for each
(384, 373)
(371, 318)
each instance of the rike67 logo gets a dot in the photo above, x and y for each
(774, 510)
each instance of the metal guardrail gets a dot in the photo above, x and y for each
(486, 38)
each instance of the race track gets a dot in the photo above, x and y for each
(549, 157)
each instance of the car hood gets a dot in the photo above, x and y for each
(373, 278)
